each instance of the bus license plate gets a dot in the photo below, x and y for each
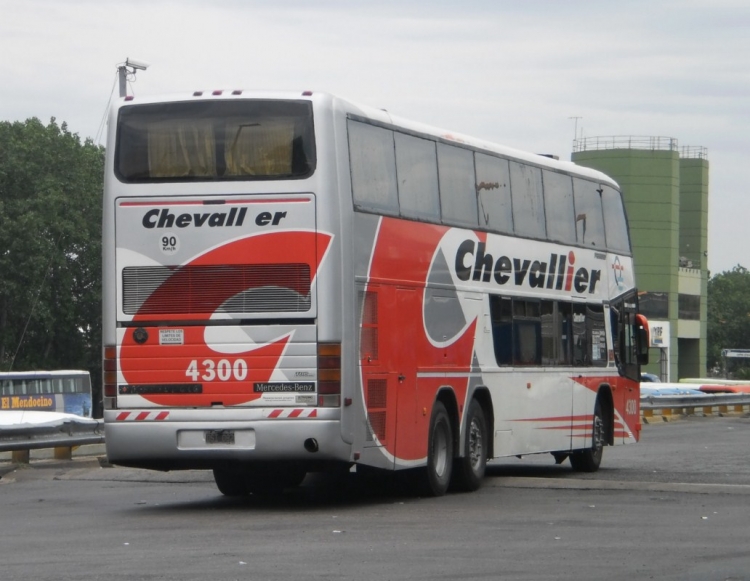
(219, 436)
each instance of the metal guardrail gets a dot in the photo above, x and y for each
(693, 152)
(68, 434)
(671, 405)
(654, 143)
(677, 401)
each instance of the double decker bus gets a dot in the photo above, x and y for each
(66, 391)
(293, 283)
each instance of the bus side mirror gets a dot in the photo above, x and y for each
(643, 340)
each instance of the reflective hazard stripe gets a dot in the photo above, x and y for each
(141, 416)
(291, 413)
(272, 414)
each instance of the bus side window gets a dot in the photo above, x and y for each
(556, 333)
(596, 335)
(589, 218)
(558, 207)
(516, 331)
(566, 331)
(373, 168)
(458, 196)
(527, 331)
(493, 193)
(528, 201)
(417, 171)
(502, 329)
(552, 353)
(615, 224)
(580, 340)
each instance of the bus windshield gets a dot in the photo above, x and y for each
(215, 140)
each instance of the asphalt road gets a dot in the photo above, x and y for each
(674, 507)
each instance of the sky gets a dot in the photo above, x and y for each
(528, 74)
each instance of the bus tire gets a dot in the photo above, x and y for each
(590, 459)
(230, 483)
(437, 475)
(468, 470)
(270, 480)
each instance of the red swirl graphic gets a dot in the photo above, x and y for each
(226, 378)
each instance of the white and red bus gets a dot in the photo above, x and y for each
(293, 283)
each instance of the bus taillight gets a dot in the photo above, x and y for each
(329, 374)
(109, 370)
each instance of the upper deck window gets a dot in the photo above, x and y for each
(589, 218)
(215, 140)
(615, 224)
(528, 200)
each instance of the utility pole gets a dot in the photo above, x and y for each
(128, 68)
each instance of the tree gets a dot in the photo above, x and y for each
(728, 313)
(50, 248)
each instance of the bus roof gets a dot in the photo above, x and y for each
(383, 116)
(377, 115)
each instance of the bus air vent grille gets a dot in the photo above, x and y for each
(207, 289)
(376, 393)
(376, 421)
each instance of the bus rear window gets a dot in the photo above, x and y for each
(215, 140)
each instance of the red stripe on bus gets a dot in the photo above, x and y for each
(225, 202)
(582, 418)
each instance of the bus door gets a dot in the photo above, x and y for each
(623, 320)
(630, 338)
(404, 373)
(388, 364)
(379, 359)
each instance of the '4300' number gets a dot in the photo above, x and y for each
(223, 370)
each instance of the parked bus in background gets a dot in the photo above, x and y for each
(53, 391)
(295, 283)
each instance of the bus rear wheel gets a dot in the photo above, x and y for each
(437, 475)
(261, 479)
(272, 479)
(230, 483)
(590, 459)
(468, 471)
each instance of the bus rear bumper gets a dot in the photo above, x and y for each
(173, 445)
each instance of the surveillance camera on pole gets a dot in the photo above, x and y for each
(141, 66)
(130, 67)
